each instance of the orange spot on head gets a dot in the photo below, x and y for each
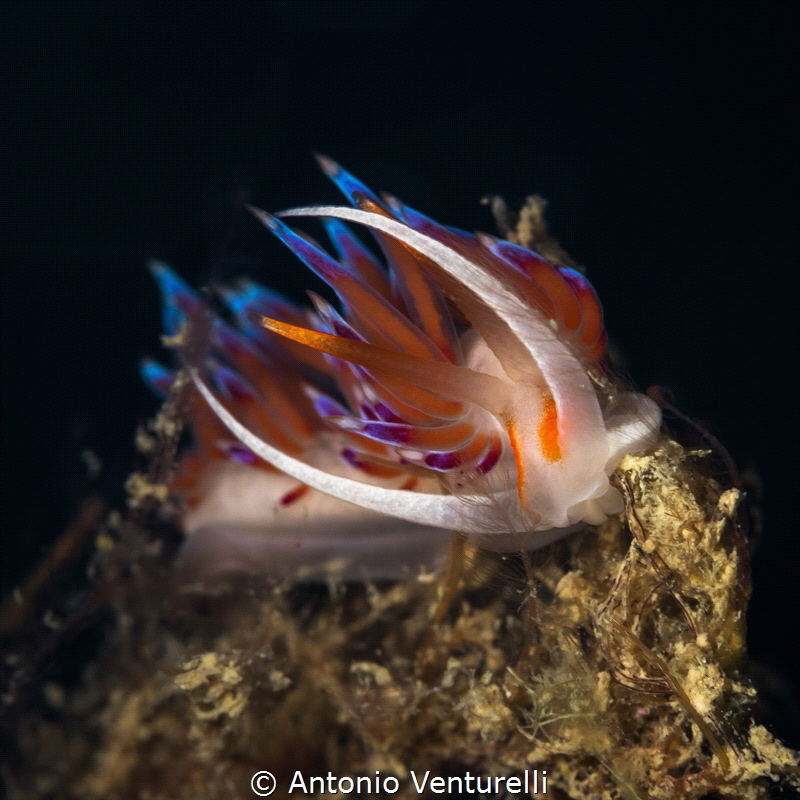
(516, 446)
(548, 430)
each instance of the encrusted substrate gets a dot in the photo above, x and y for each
(622, 679)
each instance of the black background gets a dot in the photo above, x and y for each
(664, 136)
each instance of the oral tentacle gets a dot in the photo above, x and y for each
(478, 514)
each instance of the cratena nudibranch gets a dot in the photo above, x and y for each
(456, 390)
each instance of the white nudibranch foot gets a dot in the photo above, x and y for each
(453, 393)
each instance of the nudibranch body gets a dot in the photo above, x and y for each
(461, 390)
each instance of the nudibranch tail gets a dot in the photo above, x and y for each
(453, 390)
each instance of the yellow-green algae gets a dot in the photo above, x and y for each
(624, 679)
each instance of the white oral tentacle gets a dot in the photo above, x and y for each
(471, 514)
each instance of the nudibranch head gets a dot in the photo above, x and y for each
(461, 389)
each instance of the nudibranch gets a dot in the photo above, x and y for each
(461, 389)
